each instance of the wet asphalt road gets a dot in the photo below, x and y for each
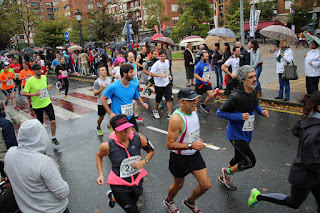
(273, 144)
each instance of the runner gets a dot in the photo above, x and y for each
(240, 109)
(36, 88)
(116, 71)
(99, 87)
(63, 71)
(121, 94)
(185, 143)
(17, 68)
(25, 75)
(161, 73)
(201, 73)
(147, 69)
(7, 86)
(123, 149)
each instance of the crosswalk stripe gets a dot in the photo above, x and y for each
(64, 113)
(83, 103)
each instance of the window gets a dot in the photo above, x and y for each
(21, 36)
(287, 5)
(49, 4)
(66, 7)
(34, 4)
(137, 4)
(49, 10)
(175, 20)
(67, 14)
(51, 16)
(124, 7)
(99, 4)
(36, 10)
(131, 4)
(221, 15)
(174, 7)
(212, 5)
(137, 14)
(90, 6)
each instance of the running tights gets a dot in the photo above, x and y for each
(127, 201)
(65, 85)
(297, 197)
(243, 156)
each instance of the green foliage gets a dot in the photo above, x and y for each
(193, 13)
(234, 20)
(301, 17)
(75, 31)
(103, 26)
(235, 6)
(51, 33)
(155, 10)
(266, 10)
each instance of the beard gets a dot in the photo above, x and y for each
(128, 78)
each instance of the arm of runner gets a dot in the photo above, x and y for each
(142, 103)
(200, 79)
(103, 151)
(106, 106)
(150, 152)
(224, 67)
(97, 91)
(137, 61)
(24, 93)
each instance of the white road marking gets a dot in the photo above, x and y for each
(64, 113)
(83, 103)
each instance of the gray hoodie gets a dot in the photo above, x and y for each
(36, 181)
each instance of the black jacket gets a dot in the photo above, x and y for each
(217, 57)
(305, 171)
(244, 57)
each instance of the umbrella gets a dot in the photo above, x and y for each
(3, 52)
(66, 45)
(37, 48)
(46, 47)
(156, 36)
(112, 44)
(195, 40)
(279, 32)
(310, 38)
(167, 32)
(222, 32)
(165, 40)
(212, 40)
(74, 48)
(59, 48)
(12, 52)
(307, 27)
(102, 52)
(119, 45)
(27, 49)
(147, 39)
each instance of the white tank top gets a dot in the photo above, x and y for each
(190, 132)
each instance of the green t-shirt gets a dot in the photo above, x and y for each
(32, 86)
(10, 70)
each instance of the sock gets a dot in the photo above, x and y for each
(53, 137)
(189, 202)
(229, 172)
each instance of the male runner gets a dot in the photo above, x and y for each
(240, 109)
(201, 73)
(185, 143)
(147, 69)
(121, 94)
(16, 68)
(99, 87)
(37, 88)
(7, 85)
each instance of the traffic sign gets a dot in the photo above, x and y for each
(66, 36)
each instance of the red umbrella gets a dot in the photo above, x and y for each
(165, 40)
(156, 36)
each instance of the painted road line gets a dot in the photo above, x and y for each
(210, 146)
(82, 102)
(157, 130)
(64, 114)
(19, 116)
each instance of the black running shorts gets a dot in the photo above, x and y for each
(164, 91)
(9, 91)
(203, 89)
(181, 165)
(101, 110)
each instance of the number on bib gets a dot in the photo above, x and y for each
(64, 73)
(44, 93)
(17, 75)
(248, 125)
(205, 75)
(127, 109)
(10, 82)
(194, 136)
(126, 167)
(165, 71)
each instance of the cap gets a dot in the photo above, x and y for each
(119, 59)
(36, 66)
(120, 122)
(187, 94)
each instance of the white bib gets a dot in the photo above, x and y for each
(64, 73)
(205, 75)
(126, 167)
(165, 71)
(248, 125)
(194, 136)
(127, 109)
(10, 82)
(44, 93)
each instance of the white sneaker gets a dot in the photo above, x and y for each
(156, 114)
(216, 92)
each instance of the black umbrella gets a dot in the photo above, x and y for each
(112, 44)
(46, 47)
(27, 49)
(166, 33)
(147, 39)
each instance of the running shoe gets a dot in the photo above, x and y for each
(172, 207)
(169, 116)
(55, 141)
(139, 119)
(149, 92)
(6, 103)
(112, 203)
(205, 108)
(144, 90)
(253, 197)
(16, 109)
(194, 208)
(110, 128)
(99, 131)
(160, 105)
(225, 179)
(67, 97)
(216, 92)
(156, 114)
(59, 91)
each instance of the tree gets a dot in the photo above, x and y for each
(234, 20)
(235, 6)
(300, 16)
(155, 10)
(266, 8)
(192, 15)
(75, 31)
(103, 26)
(51, 33)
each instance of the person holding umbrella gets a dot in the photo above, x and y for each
(189, 65)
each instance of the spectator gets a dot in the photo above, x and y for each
(189, 65)
(84, 62)
(312, 68)
(256, 62)
(216, 63)
(244, 55)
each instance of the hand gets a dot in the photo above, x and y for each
(102, 85)
(139, 164)
(206, 79)
(145, 105)
(310, 63)
(38, 93)
(305, 56)
(170, 77)
(163, 75)
(213, 55)
(245, 116)
(233, 75)
(100, 180)
(191, 63)
(198, 145)
(265, 113)
(49, 86)
(282, 55)
(116, 77)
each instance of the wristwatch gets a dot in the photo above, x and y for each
(190, 145)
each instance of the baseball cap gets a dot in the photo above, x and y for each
(120, 122)
(187, 94)
(36, 66)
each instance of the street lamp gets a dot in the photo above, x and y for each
(79, 18)
(314, 18)
(275, 13)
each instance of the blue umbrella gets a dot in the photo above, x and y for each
(222, 32)
(102, 52)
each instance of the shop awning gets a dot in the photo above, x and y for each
(261, 25)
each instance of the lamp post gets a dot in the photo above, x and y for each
(314, 18)
(79, 18)
(275, 13)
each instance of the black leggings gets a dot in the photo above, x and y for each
(65, 85)
(297, 197)
(127, 201)
(243, 156)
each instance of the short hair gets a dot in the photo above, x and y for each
(203, 51)
(162, 52)
(125, 69)
(315, 43)
(234, 48)
(285, 43)
(217, 45)
(1, 106)
(153, 51)
(243, 71)
(121, 52)
(100, 65)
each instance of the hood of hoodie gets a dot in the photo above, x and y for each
(33, 136)
(312, 119)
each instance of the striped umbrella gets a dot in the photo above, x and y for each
(279, 33)
(194, 40)
(310, 38)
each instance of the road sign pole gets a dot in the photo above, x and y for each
(129, 39)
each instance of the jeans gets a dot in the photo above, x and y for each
(286, 85)
(217, 70)
(258, 73)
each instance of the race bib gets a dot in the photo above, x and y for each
(127, 109)
(17, 75)
(248, 125)
(194, 136)
(10, 82)
(165, 71)
(64, 73)
(205, 75)
(44, 93)
(126, 167)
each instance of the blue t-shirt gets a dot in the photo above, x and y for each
(134, 79)
(200, 69)
(121, 96)
(55, 62)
